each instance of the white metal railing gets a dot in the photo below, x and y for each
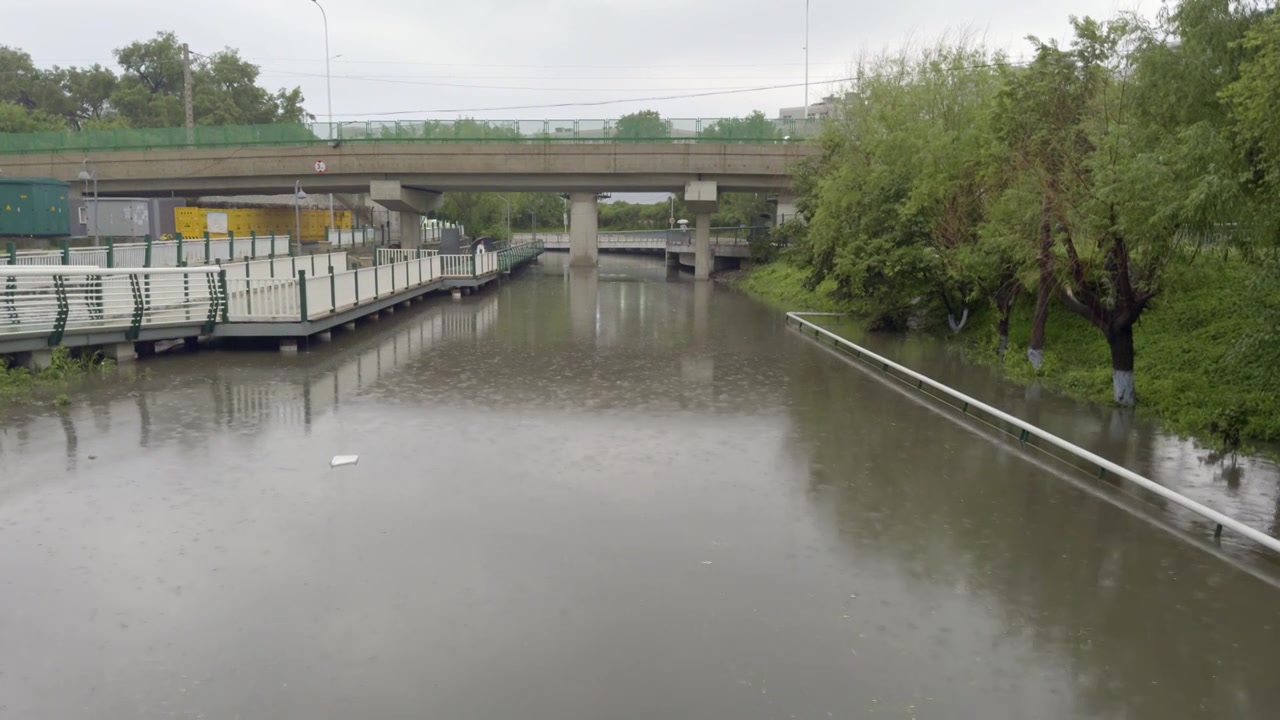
(154, 253)
(1027, 432)
(288, 266)
(309, 295)
(53, 301)
(395, 255)
(341, 237)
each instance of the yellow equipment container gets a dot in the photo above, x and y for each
(193, 222)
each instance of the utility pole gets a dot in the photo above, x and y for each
(187, 104)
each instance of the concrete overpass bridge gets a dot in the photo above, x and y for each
(406, 167)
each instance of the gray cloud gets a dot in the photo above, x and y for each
(535, 52)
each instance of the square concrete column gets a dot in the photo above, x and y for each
(410, 229)
(703, 260)
(120, 352)
(584, 230)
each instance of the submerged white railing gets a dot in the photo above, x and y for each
(52, 301)
(1027, 433)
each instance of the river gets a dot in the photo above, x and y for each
(613, 494)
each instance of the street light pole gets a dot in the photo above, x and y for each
(534, 213)
(806, 59)
(328, 91)
(298, 195)
(86, 176)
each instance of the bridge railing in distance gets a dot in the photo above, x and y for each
(153, 253)
(54, 301)
(667, 130)
(1029, 434)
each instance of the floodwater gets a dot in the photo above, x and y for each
(613, 494)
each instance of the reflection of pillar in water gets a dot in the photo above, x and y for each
(584, 300)
(701, 310)
(69, 429)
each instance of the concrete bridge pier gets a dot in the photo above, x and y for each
(784, 208)
(410, 204)
(584, 230)
(701, 197)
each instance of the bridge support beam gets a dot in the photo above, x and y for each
(584, 230)
(784, 209)
(701, 196)
(410, 203)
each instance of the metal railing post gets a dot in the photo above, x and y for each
(226, 297)
(302, 293)
(207, 246)
(253, 243)
(66, 252)
(146, 257)
(178, 237)
(12, 248)
(111, 252)
(333, 290)
(231, 245)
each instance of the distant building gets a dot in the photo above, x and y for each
(820, 110)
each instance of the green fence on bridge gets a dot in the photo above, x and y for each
(722, 130)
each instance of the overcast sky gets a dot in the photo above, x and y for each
(468, 57)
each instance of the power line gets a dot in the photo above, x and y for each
(594, 103)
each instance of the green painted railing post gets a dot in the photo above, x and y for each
(178, 237)
(231, 244)
(356, 275)
(206, 246)
(291, 251)
(226, 298)
(327, 237)
(302, 293)
(66, 252)
(111, 253)
(146, 255)
(12, 248)
(333, 290)
(253, 243)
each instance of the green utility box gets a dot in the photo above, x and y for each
(34, 207)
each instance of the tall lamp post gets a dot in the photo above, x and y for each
(328, 90)
(298, 197)
(86, 175)
(806, 60)
(534, 213)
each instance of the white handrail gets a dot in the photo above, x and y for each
(1204, 511)
(64, 270)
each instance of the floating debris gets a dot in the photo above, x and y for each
(340, 460)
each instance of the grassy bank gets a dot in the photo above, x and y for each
(22, 385)
(782, 285)
(1192, 365)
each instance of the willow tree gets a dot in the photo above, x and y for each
(898, 192)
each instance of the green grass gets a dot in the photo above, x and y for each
(782, 285)
(18, 384)
(1190, 367)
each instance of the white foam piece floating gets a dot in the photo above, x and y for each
(340, 460)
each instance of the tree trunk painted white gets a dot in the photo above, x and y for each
(1036, 357)
(1003, 347)
(1123, 388)
(958, 326)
